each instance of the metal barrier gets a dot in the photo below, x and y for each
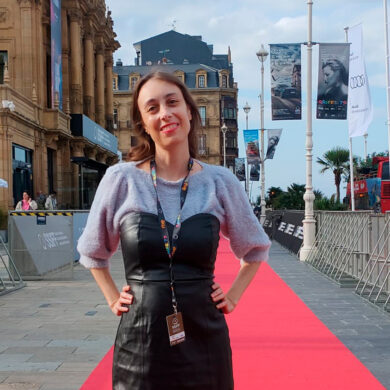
(374, 283)
(353, 249)
(340, 245)
(44, 242)
(10, 278)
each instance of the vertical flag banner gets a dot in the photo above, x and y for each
(251, 139)
(56, 53)
(255, 172)
(273, 139)
(240, 168)
(286, 100)
(360, 111)
(332, 94)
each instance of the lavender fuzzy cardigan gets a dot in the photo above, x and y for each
(215, 190)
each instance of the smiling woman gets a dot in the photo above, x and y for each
(168, 209)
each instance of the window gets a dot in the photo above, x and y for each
(115, 118)
(202, 149)
(202, 112)
(231, 141)
(224, 81)
(229, 113)
(3, 62)
(133, 81)
(114, 83)
(133, 141)
(201, 81)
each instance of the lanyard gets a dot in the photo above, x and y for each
(177, 227)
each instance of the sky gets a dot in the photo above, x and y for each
(246, 24)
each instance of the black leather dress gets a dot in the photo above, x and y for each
(143, 357)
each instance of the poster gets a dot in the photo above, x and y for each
(332, 96)
(286, 81)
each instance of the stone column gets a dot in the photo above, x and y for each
(65, 59)
(75, 62)
(89, 72)
(109, 92)
(100, 83)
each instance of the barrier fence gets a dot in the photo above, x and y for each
(353, 249)
(44, 242)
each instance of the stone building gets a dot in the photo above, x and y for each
(56, 117)
(208, 76)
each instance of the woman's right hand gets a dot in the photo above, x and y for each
(121, 305)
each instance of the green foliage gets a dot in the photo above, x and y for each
(337, 161)
(329, 204)
(291, 199)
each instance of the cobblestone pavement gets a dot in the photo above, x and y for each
(54, 332)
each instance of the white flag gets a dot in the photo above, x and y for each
(360, 110)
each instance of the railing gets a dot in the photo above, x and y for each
(10, 278)
(353, 249)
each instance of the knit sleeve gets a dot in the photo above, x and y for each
(248, 240)
(100, 238)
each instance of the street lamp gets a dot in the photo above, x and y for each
(224, 130)
(247, 108)
(262, 55)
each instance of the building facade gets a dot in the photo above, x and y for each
(56, 99)
(209, 78)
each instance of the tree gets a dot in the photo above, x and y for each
(335, 160)
(273, 193)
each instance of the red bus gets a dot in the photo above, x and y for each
(372, 187)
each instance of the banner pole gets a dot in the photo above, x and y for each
(351, 173)
(387, 73)
(309, 223)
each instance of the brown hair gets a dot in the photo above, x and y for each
(145, 146)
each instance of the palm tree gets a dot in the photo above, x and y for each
(335, 160)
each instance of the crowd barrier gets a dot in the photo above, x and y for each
(353, 249)
(42, 242)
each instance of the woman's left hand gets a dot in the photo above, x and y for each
(225, 303)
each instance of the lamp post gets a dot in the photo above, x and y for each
(224, 130)
(262, 55)
(247, 108)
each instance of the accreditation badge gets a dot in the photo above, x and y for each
(175, 329)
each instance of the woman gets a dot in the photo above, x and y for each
(335, 81)
(26, 203)
(167, 208)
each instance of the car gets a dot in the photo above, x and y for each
(289, 92)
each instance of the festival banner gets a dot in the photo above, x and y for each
(332, 96)
(286, 100)
(273, 139)
(255, 172)
(240, 168)
(360, 111)
(251, 139)
(56, 53)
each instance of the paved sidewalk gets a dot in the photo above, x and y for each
(53, 333)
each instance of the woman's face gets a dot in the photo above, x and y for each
(165, 114)
(25, 196)
(331, 77)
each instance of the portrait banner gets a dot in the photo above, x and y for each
(285, 60)
(273, 139)
(333, 73)
(255, 172)
(240, 168)
(360, 111)
(251, 139)
(56, 53)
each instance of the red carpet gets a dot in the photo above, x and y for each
(277, 342)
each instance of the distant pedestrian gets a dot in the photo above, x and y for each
(51, 201)
(27, 203)
(41, 199)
